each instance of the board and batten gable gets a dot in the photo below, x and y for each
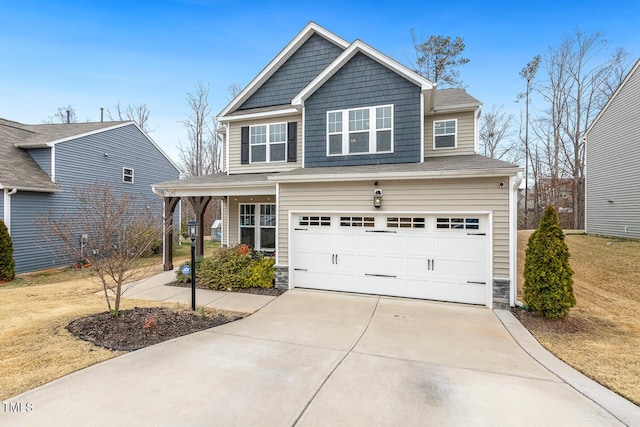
(465, 134)
(612, 165)
(364, 82)
(235, 147)
(302, 67)
(419, 195)
(97, 157)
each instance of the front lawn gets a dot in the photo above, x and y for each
(602, 336)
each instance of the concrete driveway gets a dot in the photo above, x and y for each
(314, 358)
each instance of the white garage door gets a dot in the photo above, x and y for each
(439, 257)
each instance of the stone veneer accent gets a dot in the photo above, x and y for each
(501, 294)
(282, 277)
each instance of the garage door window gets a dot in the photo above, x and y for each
(317, 221)
(458, 223)
(259, 233)
(405, 222)
(357, 221)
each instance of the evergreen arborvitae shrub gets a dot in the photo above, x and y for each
(7, 264)
(548, 282)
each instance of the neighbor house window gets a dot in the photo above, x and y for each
(258, 226)
(127, 175)
(360, 131)
(268, 143)
(444, 134)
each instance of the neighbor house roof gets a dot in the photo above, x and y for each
(43, 135)
(17, 169)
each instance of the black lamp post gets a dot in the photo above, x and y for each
(192, 232)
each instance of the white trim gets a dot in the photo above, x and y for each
(476, 131)
(320, 177)
(490, 256)
(6, 217)
(260, 115)
(615, 94)
(126, 175)
(302, 125)
(256, 224)
(262, 190)
(227, 146)
(277, 223)
(53, 163)
(457, 108)
(310, 29)
(360, 47)
(455, 135)
(422, 141)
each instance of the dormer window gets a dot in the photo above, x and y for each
(268, 143)
(444, 134)
(360, 131)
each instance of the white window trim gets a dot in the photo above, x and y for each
(256, 227)
(124, 175)
(455, 134)
(372, 131)
(268, 143)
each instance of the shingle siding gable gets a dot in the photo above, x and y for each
(363, 82)
(302, 67)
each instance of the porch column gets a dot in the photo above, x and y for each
(199, 205)
(170, 204)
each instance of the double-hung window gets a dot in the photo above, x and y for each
(127, 175)
(258, 226)
(444, 133)
(360, 131)
(268, 143)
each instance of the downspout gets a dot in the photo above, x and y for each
(7, 208)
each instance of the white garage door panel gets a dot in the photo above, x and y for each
(421, 262)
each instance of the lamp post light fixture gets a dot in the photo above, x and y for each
(192, 233)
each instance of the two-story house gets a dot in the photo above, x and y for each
(362, 177)
(41, 164)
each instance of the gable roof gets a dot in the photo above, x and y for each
(356, 47)
(310, 29)
(454, 99)
(17, 169)
(45, 135)
(633, 70)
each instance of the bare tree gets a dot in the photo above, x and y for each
(201, 155)
(234, 89)
(64, 115)
(495, 131)
(108, 232)
(580, 75)
(438, 59)
(137, 113)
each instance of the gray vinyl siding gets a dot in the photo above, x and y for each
(79, 162)
(465, 134)
(42, 156)
(234, 147)
(363, 82)
(613, 161)
(445, 196)
(297, 72)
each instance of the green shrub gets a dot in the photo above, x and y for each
(227, 268)
(548, 282)
(7, 264)
(262, 273)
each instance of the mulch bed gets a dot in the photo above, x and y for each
(141, 327)
(534, 322)
(256, 291)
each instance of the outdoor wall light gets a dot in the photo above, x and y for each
(377, 198)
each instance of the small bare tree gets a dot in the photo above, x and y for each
(108, 232)
(137, 113)
(64, 115)
(495, 131)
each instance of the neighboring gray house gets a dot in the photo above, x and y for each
(362, 177)
(39, 164)
(612, 186)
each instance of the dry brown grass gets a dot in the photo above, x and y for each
(607, 290)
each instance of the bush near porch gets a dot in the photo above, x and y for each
(232, 268)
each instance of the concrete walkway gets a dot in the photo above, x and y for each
(312, 358)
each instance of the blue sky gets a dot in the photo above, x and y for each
(92, 54)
